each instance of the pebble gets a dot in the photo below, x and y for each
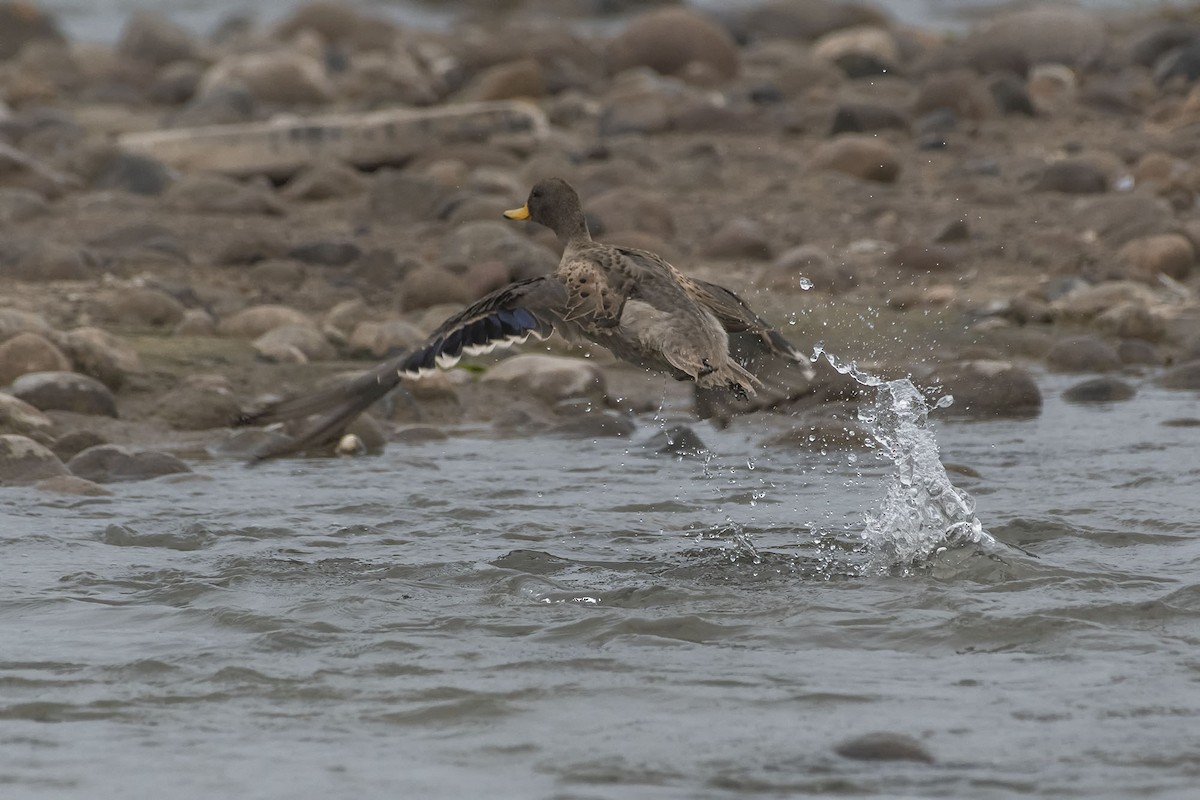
(1131, 321)
(1073, 176)
(500, 241)
(253, 322)
(325, 180)
(17, 416)
(133, 173)
(739, 238)
(65, 391)
(195, 322)
(512, 79)
(136, 306)
(1082, 354)
(669, 40)
(1169, 254)
(867, 117)
(550, 378)
(206, 193)
(326, 253)
(250, 244)
(1041, 35)
(384, 339)
(859, 156)
(110, 463)
(1183, 376)
(1099, 390)
(990, 389)
(24, 461)
(960, 91)
(431, 286)
(152, 38)
(21, 24)
(40, 260)
(294, 344)
(29, 352)
(884, 747)
(282, 77)
(67, 445)
(70, 484)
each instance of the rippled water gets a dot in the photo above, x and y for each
(548, 618)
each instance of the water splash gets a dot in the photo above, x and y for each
(922, 512)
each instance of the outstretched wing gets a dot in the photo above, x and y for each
(737, 317)
(504, 317)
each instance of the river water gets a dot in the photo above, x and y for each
(548, 618)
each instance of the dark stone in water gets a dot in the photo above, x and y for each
(1099, 390)
(883, 747)
(678, 440)
(70, 444)
(109, 463)
(1185, 376)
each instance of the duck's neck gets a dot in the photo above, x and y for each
(574, 232)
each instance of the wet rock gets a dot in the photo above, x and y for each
(669, 40)
(196, 322)
(222, 105)
(253, 322)
(884, 747)
(1169, 254)
(832, 427)
(1073, 176)
(1131, 321)
(1082, 354)
(152, 38)
(551, 378)
(1139, 352)
(14, 321)
(739, 238)
(294, 344)
(1044, 35)
(809, 20)
(18, 417)
(325, 180)
(594, 426)
(281, 276)
(867, 117)
(137, 306)
(69, 444)
(250, 244)
(1099, 390)
(202, 402)
(430, 286)
(988, 389)
(1011, 95)
(69, 484)
(176, 83)
(384, 339)
(344, 316)
(24, 461)
(921, 258)
(21, 205)
(808, 266)
(326, 253)
(960, 91)
(29, 352)
(1182, 64)
(1118, 218)
(65, 391)
(678, 440)
(873, 42)
(1052, 87)
(369, 436)
(22, 23)
(284, 77)
(634, 112)
(142, 244)
(38, 261)
(1086, 302)
(628, 209)
(512, 79)
(1184, 376)
(134, 173)
(860, 156)
(338, 23)
(474, 242)
(110, 463)
(214, 194)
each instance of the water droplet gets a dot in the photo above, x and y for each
(945, 401)
(805, 284)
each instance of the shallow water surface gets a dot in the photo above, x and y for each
(548, 618)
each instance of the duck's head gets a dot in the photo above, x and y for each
(553, 203)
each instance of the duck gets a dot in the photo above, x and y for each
(632, 302)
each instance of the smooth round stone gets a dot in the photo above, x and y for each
(22, 460)
(65, 391)
(1082, 354)
(883, 747)
(669, 40)
(29, 352)
(1184, 376)
(1099, 390)
(990, 388)
(110, 463)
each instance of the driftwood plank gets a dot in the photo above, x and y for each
(279, 148)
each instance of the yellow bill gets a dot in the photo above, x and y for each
(518, 213)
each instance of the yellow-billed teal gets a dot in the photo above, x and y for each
(632, 302)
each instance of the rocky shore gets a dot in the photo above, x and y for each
(969, 209)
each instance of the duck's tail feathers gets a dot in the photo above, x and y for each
(783, 346)
(342, 403)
